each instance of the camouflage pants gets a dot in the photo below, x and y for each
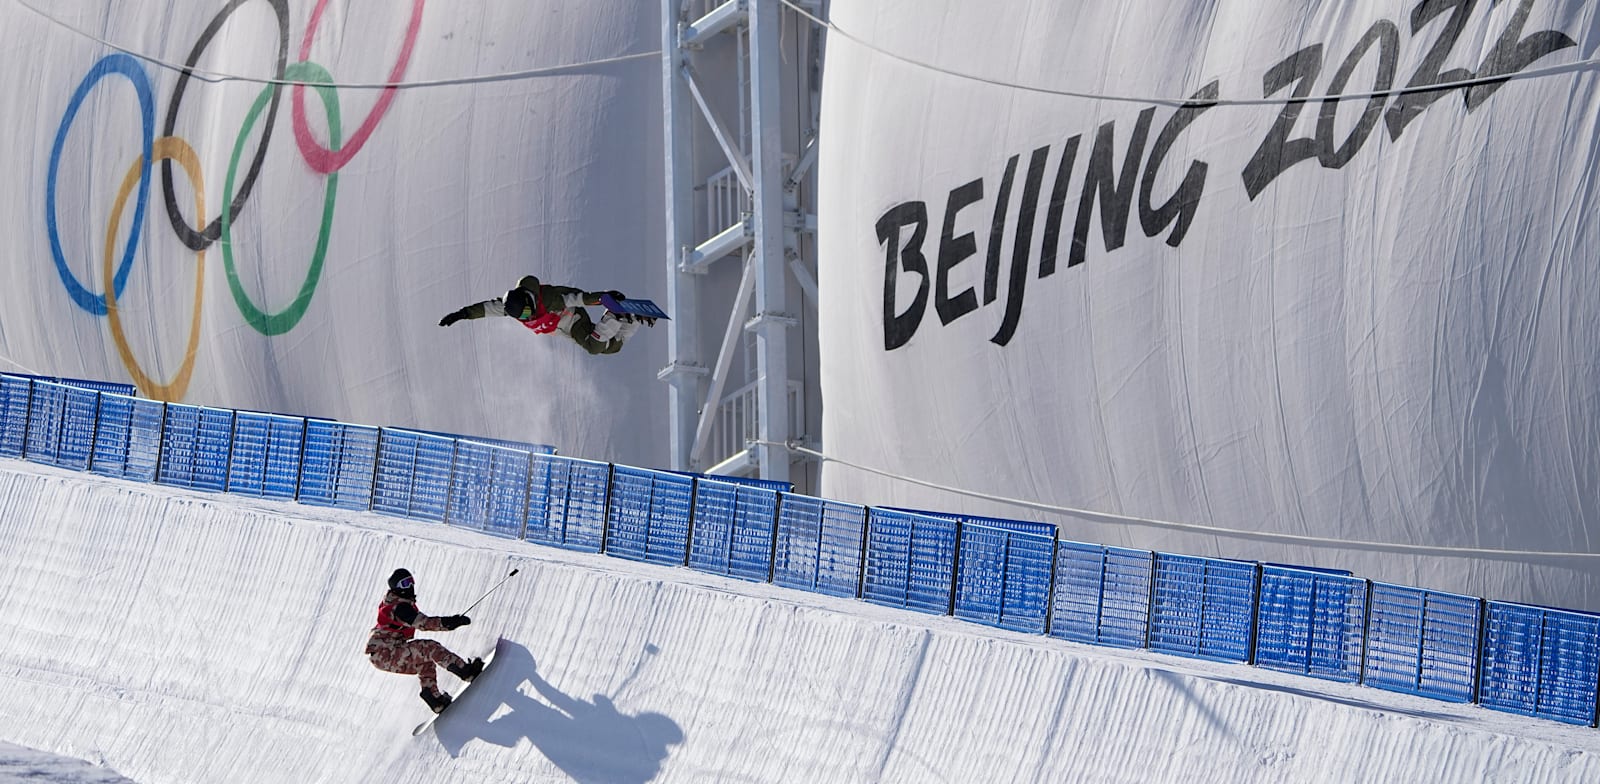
(414, 657)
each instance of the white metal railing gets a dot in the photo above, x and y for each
(738, 417)
(726, 201)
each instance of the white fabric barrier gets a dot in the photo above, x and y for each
(1370, 320)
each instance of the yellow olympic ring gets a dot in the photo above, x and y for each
(164, 148)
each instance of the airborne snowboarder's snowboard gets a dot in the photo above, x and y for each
(488, 660)
(641, 308)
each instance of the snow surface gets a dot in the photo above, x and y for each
(187, 637)
(28, 766)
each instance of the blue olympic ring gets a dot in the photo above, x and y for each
(129, 67)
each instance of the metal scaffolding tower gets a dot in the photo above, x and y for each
(736, 200)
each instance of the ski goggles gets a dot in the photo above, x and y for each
(405, 583)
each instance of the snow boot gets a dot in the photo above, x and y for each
(467, 670)
(607, 328)
(629, 326)
(437, 700)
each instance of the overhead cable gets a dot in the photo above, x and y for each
(1210, 530)
(1531, 73)
(217, 77)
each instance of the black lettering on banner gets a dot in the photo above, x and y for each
(1115, 193)
(1383, 33)
(1058, 205)
(1512, 53)
(1277, 151)
(898, 329)
(997, 233)
(1411, 105)
(954, 250)
(1113, 187)
(1023, 244)
(1181, 206)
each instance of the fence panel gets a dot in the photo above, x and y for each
(734, 526)
(80, 407)
(819, 545)
(195, 443)
(649, 516)
(1003, 575)
(1311, 623)
(16, 392)
(489, 488)
(46, 410)
(266, 455)
(1422, 642)
(911, 560)
(80, 414)
(339, 464)
(1541, 662)
(567, 502)
(128, 442)
(413, 474)
(1203, 607)
(1102, 595)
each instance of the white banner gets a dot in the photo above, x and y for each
(360, 216)
(1210, 298)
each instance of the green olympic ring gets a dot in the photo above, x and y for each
(284, 320)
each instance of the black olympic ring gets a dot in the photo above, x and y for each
(198, 240)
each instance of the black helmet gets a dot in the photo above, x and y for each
(519, 303)
(402, 585)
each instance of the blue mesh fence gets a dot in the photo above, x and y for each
(340, 464)
(911, 560)
(1203, 607)
(80, 410)
(1003, 575)
(819, 545)
(112, 387)
(412, 474)
(45, 413)
(1422, 642)
(1541, 662)
(61, 425)
(744, 481)
(1311, 623)
(127, 440)
(514, 446)
(734, 526)
(16, 393)
(112, 434)
(649, 515)
(1535, 661)
(195, 442)
(489, 488)
(266, 455)
(567, 502)
(1102, 594)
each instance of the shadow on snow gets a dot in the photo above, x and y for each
(589, 740)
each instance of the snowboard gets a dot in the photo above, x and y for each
(641, 308)
(488, 660)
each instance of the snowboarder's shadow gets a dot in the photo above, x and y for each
(589, 740)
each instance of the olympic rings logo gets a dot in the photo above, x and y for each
(169, 149)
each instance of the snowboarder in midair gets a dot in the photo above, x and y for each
(546, 308)
(392, 649)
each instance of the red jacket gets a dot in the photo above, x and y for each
(398, 621)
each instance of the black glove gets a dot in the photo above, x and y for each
(451, 622)
(452, 318)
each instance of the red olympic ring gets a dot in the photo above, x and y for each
(320, 158)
